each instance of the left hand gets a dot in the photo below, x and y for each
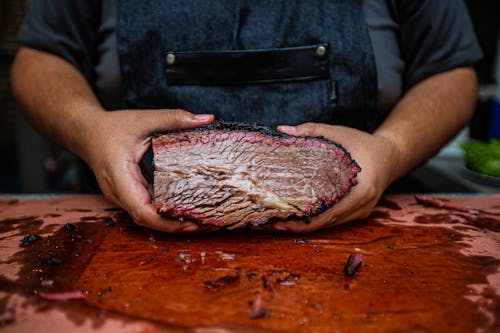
(376, 155)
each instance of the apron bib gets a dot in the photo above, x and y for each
(257, 61)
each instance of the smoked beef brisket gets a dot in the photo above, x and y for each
(231, 175)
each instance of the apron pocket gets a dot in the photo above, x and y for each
(237, 67)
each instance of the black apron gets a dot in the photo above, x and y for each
(260, 61)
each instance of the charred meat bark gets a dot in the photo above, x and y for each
(231, 175)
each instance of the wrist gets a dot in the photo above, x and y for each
(393, 155)
(90, 132)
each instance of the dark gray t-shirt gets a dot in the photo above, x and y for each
(411, 40)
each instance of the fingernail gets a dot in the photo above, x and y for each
(203, 117)
(191, 227)
(287, 129)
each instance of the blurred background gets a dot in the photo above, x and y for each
(32, 164)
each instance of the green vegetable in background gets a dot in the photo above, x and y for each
(483, 157)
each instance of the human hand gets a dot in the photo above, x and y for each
(116, 145)
(378, 157)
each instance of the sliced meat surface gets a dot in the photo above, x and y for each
(231, 175)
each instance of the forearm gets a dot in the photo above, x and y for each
(428, 116)
(55, 98)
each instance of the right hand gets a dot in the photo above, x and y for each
(378, 157)
(114, 149)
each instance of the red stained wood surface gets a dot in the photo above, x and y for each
(423, 269)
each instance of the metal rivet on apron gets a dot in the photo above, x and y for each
(320, 51)
(170, 58)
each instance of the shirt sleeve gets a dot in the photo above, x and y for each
(67, 28)
(435, 36)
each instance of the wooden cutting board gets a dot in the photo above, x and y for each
(423, 269)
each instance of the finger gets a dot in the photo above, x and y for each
(290, 130)
(300, 227)
(306, 129)
(165, 120)
(325, 220)
(148, 217)
(310, 129)
(359, 210)
(358, 213)
(333, 216)
(135, 199)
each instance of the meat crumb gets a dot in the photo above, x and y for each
(267, 284)
(258, 309)
(51, 259)
(29, 240)
(221, 282)
(353, 263)
(64, 296)
(288, 281)
(434, 202)
(147, 261)
(225, 256)
(109, 222)
(68, 227)
(184, 257)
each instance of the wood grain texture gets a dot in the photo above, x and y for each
(424, 269)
